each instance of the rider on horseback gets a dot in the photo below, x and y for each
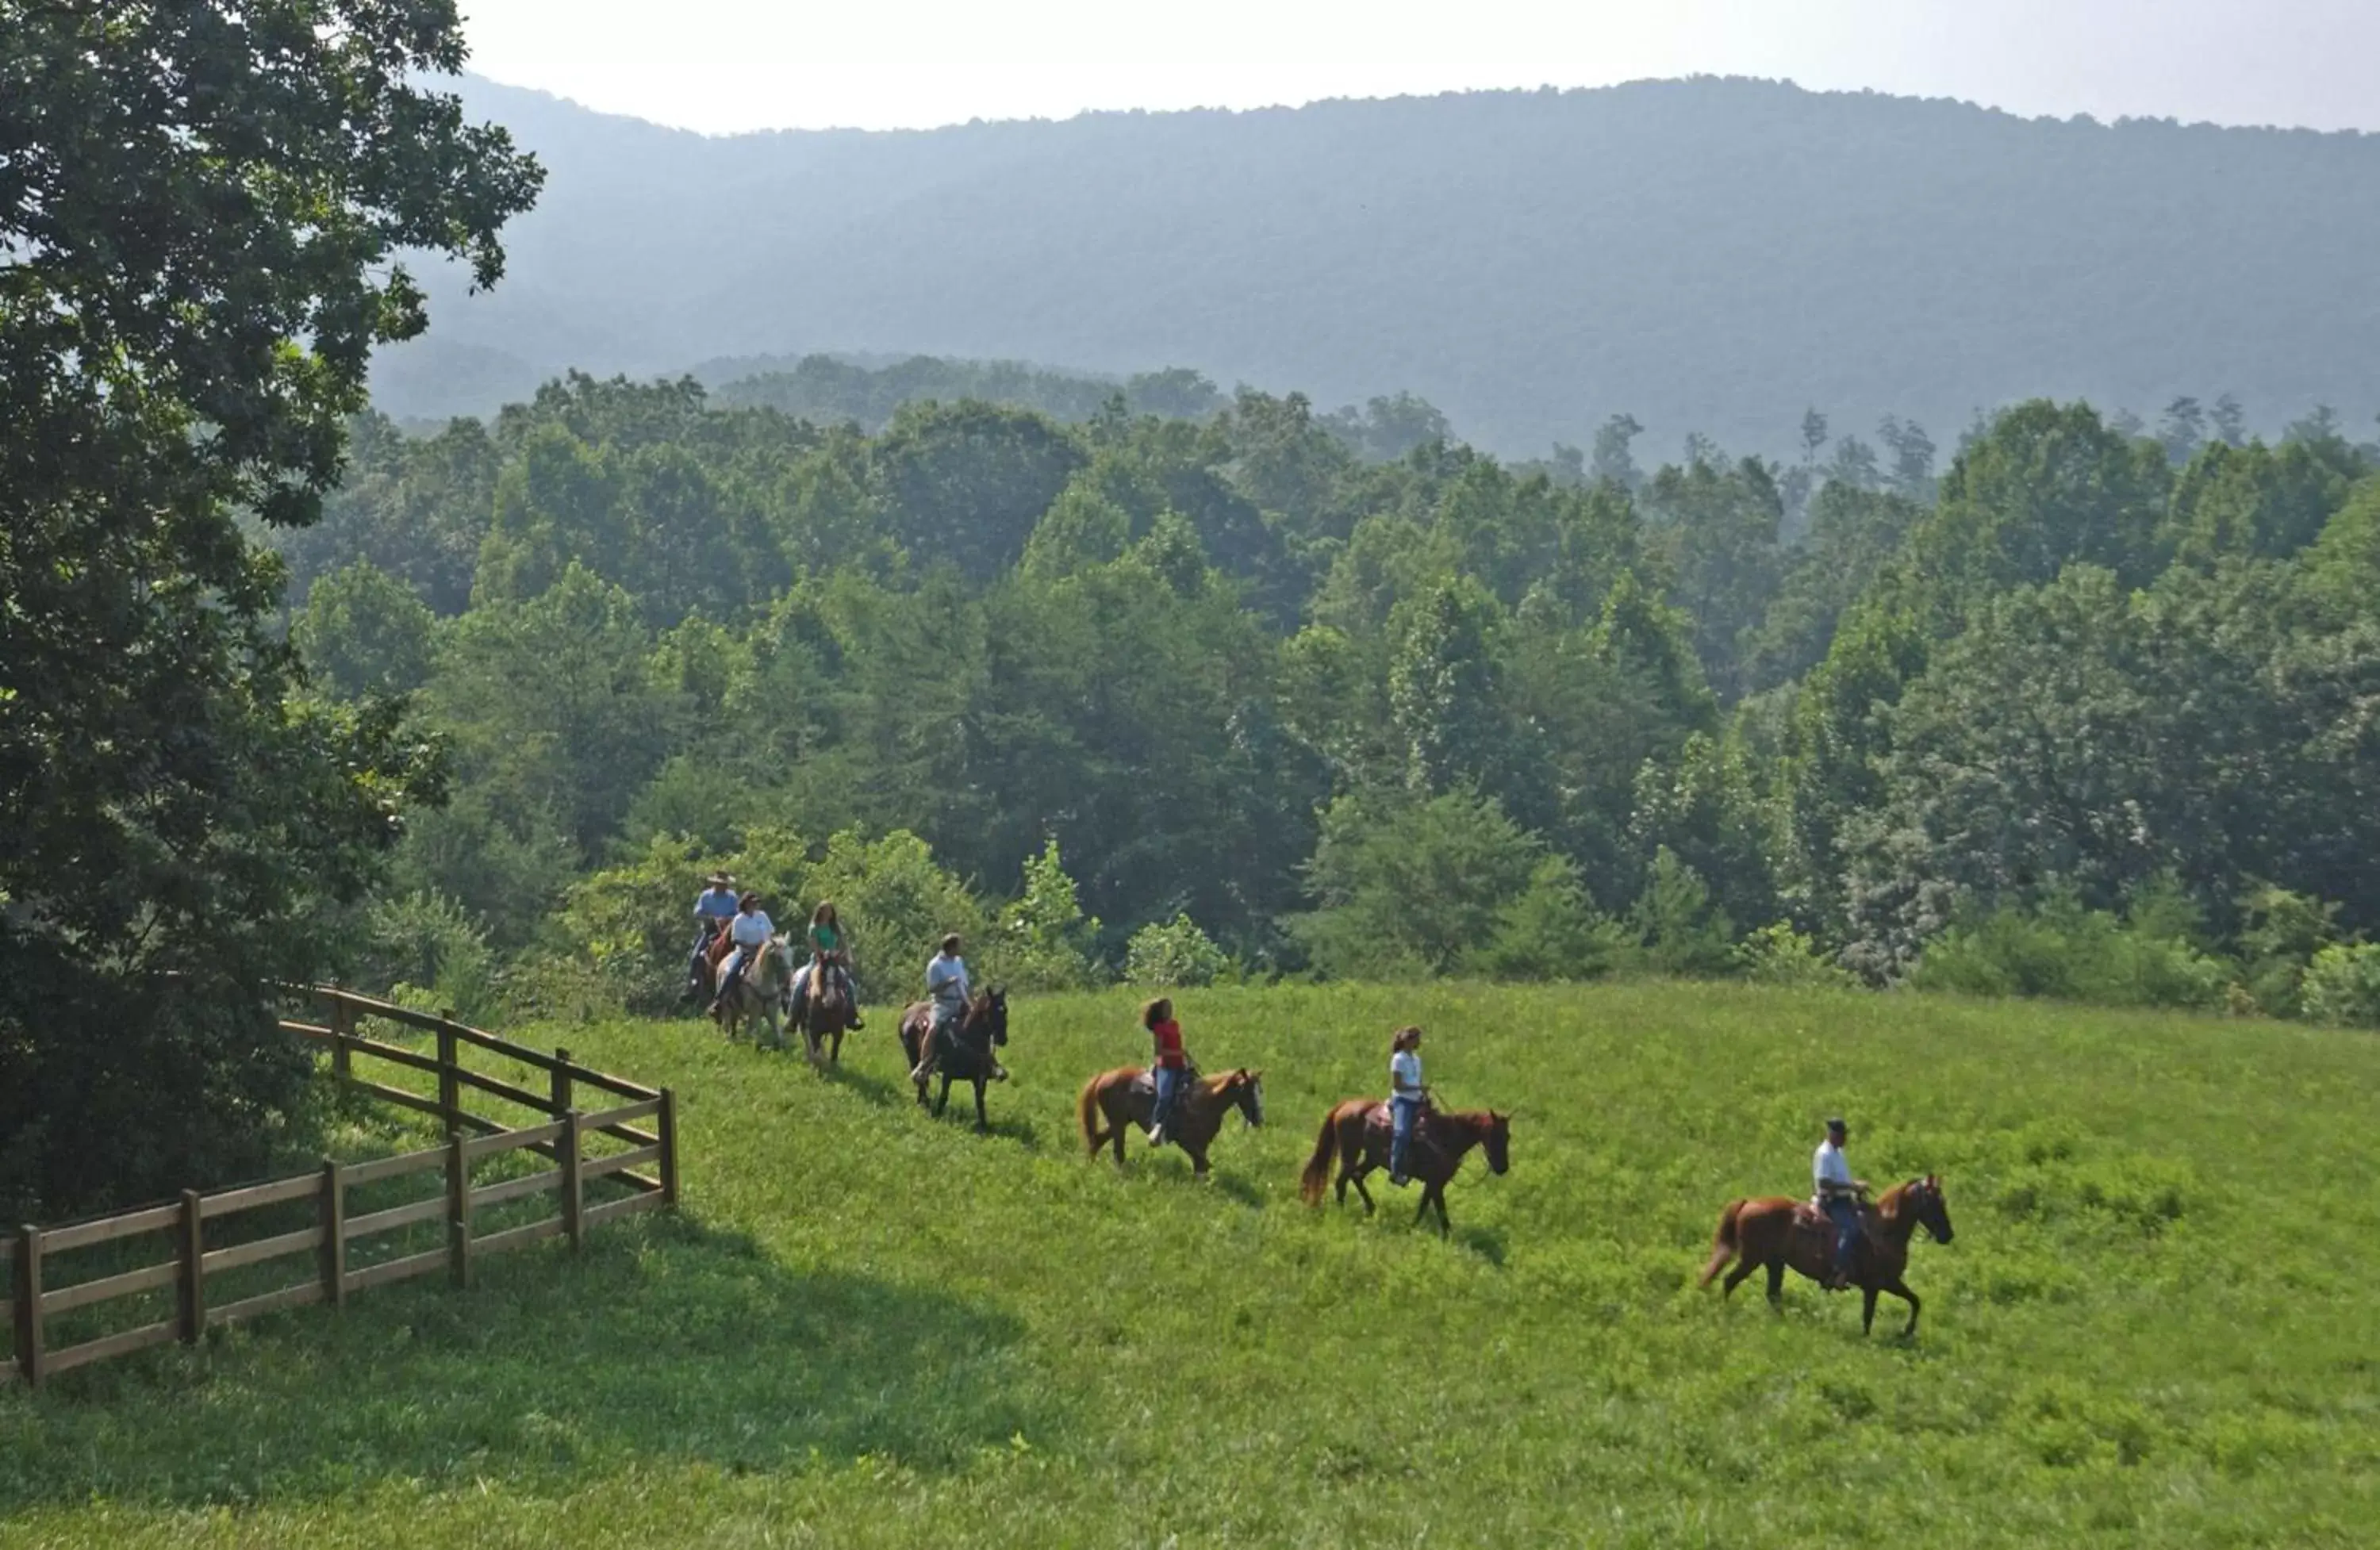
(1171, 1065)
(830, 952)
(1406, 1097)
(713, 907)
(946, 986)
(1838, 1195)
(751, 929)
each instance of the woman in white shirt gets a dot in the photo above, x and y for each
(1406, 1094)
(750, 929)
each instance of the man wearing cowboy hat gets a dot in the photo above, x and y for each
(714, 905)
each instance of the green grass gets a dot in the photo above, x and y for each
(2157, 1325)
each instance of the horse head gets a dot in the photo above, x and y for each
(1245, 1088)
(1924, 1196)
(1496, 1138)
(991, 1011)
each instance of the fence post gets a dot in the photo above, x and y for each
(458, 1210)
(194, 1267)
(669, 1147)
(561, 1081)
(573, 1193)
(450, 1091)
(342, 1027)
(334, 1257)
(28, 1304)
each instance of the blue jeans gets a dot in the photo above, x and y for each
(1402, 1113)
(1847, 1230)
(1169, 1082)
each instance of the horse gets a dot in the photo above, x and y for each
(702, 963)
(981, 1028)
(1358, 1132)
(760, 993)
(1773, 1231)
(1123, 1097)
(826, 1011)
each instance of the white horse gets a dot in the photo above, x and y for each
(760, 995)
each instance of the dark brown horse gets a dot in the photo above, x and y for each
(1358, 1134)
(966, 1054)
(1123, 1099)
(1773, 1232)
(825, 1011)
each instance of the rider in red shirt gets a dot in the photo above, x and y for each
(1171, 1065)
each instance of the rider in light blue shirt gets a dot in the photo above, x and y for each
(714, 905)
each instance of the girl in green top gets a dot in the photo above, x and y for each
(830, 952)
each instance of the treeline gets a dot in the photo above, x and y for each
(1842, 719)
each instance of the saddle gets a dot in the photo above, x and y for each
(1144, 1084)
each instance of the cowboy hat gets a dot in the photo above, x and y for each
(720, 879)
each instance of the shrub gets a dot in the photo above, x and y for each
(1681, 931)
(1174, 955)
(1549, 931)
(1409, 887)
(2070, 953)
(2342, 985)
(1779, 955)
(426, 950)
(896, 903)
(1044, 938)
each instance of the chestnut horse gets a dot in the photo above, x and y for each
(1767, 1234)
(966, 1054)
(1358, 1133)
(825, 1010)
(1198, 1110)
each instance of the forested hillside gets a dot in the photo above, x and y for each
(2085, 714)
(1709, 256)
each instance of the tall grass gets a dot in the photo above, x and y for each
(2156, 1326)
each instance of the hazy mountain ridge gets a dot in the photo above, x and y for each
(1708, 255)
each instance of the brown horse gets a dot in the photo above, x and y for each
(1121, 1099)
(825, 1011)
(1773, 1232)
(966, 1054)
(1358, 1134)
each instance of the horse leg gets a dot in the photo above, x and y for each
(1197, 1159)
(1737, 1277)
(982, 1121)
(1901, 1289)
(1776, 1284)
(943, 1099)
(1356, 1177)
(1868, 1310)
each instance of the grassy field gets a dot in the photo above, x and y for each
(2157, 1325)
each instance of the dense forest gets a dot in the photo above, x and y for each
(2071, 712)
(1706, 255)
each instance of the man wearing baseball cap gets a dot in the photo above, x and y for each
(1838, 1197)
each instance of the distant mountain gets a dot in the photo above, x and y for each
(1710, 255)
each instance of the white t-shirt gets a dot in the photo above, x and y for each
(946, 979)
(1405, 1067)
(751, 930)
(1830, 1167)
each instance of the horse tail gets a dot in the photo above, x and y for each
(1723, 1242)
(1087, 1109)
(1317, 1176)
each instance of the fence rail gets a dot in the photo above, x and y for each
(30, 1296)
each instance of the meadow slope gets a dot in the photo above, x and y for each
(2157, 1325)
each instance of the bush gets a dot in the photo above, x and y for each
(1681, 931)
(2342, 985)
(1044, 940)
(424, 949)
(1549, 931)
(1409, 887)
(1779, 955)
(1174, 955)
(2070, 953)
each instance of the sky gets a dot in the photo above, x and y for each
(726, 65)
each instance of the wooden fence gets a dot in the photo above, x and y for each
(571, 1138)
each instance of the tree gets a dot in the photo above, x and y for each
(363, 632)
(1405, 887)
(200, 211)
(1611, 459)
